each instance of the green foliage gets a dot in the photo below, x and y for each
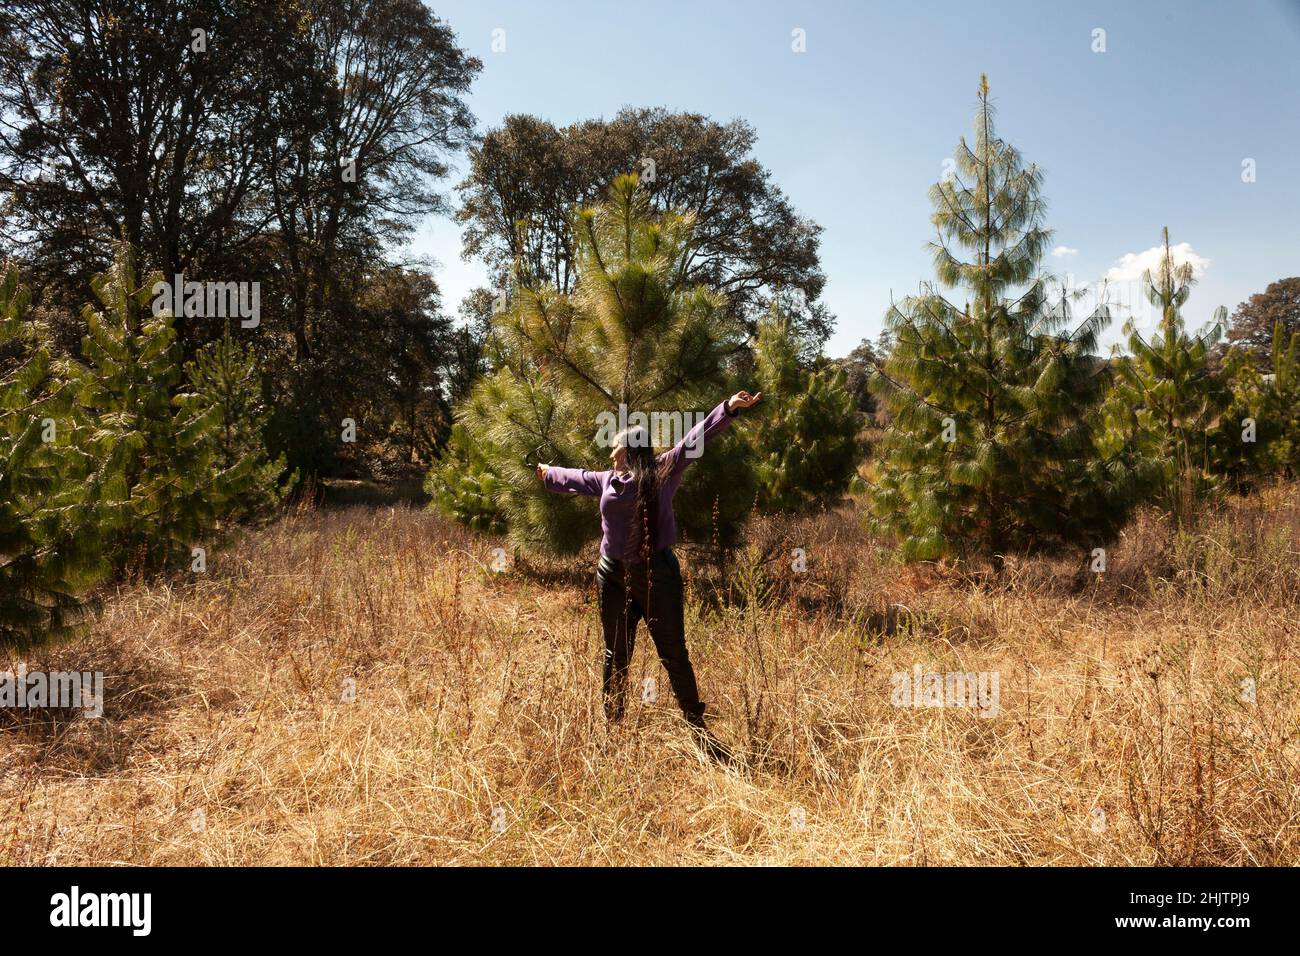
(225, 386)
(748, 239)
(991, 447)
(306, 170)
(1262, 423)
(805, 445)
(48, 547)
(1254, 323)
(298, 429)
(172, 469)
(858, 367)
(720, 488)
(1166, 410)
(101, 468)
(634, 331)
(462, 485)
(149, 459)
(1282, 413)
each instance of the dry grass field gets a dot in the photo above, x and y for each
(1124, 735)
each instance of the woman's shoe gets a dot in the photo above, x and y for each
(712, 747)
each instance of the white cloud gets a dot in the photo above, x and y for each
(1062, 251)
(1131, 266)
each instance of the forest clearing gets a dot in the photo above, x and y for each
(1123, 735)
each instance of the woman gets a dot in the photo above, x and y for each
(638, 575)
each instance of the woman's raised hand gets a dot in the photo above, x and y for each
(743, 399)
(541, 472)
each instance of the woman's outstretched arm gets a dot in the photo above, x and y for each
(571, 481)
(692, 446)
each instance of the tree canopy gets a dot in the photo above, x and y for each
(748, 241)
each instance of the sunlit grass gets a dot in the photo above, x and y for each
(1122, 737)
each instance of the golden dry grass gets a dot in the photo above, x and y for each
(226, 740)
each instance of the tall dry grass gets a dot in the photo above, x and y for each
(1123, 735)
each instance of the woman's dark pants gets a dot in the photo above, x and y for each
(632, 592)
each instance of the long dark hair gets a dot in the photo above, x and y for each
(647, 476)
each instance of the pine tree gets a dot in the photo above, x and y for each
(225, 386)
(1166, 410)
(1262, 424)
(48, 547)
(805, 446)
(1282, 413)
(155, 462)
(464, 487)
(634, 333)
(991, 446)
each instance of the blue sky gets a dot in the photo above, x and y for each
(1152, 132)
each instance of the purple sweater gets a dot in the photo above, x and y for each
(618, 492)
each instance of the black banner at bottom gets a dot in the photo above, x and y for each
(335, 906)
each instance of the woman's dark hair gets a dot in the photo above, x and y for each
(646, 476)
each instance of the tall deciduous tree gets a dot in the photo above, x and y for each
(135, 120)
(991, 446)
(378, 93)
(412, 362)
(292, 143)
(748, 239)
(1253, 323)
